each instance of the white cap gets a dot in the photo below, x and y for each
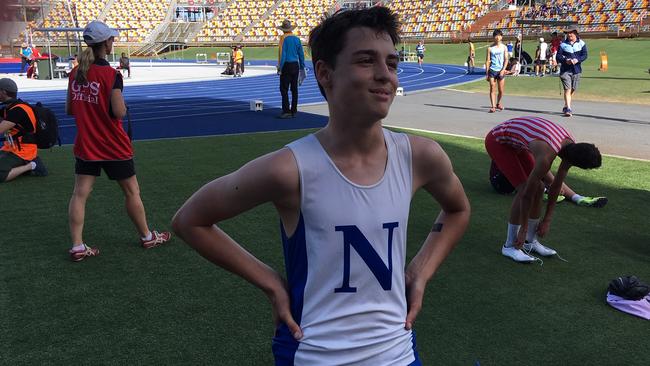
(541, 39)
(97, 32)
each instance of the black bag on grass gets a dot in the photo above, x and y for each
(629, 287)
(499, 181)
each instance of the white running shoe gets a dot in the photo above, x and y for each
(538, 248)
(517, 255)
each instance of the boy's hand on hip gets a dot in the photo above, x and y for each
(414, 296)
(281, 305)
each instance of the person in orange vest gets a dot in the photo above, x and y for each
(19, 153)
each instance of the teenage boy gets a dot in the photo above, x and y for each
(343, 197)
(524, 149)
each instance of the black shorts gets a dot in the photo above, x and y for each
(421, 56)
(115, 170)
(496, 75)
(540, 62)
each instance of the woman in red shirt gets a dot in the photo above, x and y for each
(95, 100)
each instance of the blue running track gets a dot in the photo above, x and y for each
(221, 106)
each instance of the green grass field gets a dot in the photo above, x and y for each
(626, 81)
(169, 306)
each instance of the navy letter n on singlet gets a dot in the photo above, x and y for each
(353, 237)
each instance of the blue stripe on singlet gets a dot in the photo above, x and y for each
(295, 261)
(417, 361)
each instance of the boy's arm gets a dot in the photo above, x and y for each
(274, 178)
(432, 170)
(554, 191)
(532, 185)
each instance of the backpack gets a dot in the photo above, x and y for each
(499, 181)
(47, 126)
(629, 287)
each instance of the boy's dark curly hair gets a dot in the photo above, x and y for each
(581, 154)
(327, 39)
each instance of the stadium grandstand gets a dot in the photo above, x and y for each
(155, 24)
(599, 16)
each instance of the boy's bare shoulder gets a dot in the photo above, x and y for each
(428, 157)
(423, 147)
(278, 166)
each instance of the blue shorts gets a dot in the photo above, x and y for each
(495, 75)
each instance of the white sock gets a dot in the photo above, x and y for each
(576, 197)
(531, 235)
(79, 248)
(148, 237)
(512, 234)
(33, 164)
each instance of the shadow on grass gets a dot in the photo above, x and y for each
(614, 78)
(539, 111)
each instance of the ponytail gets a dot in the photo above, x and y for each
(86, 59)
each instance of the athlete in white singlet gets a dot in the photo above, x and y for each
(343, 197)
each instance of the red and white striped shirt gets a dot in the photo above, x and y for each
(519, 132)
